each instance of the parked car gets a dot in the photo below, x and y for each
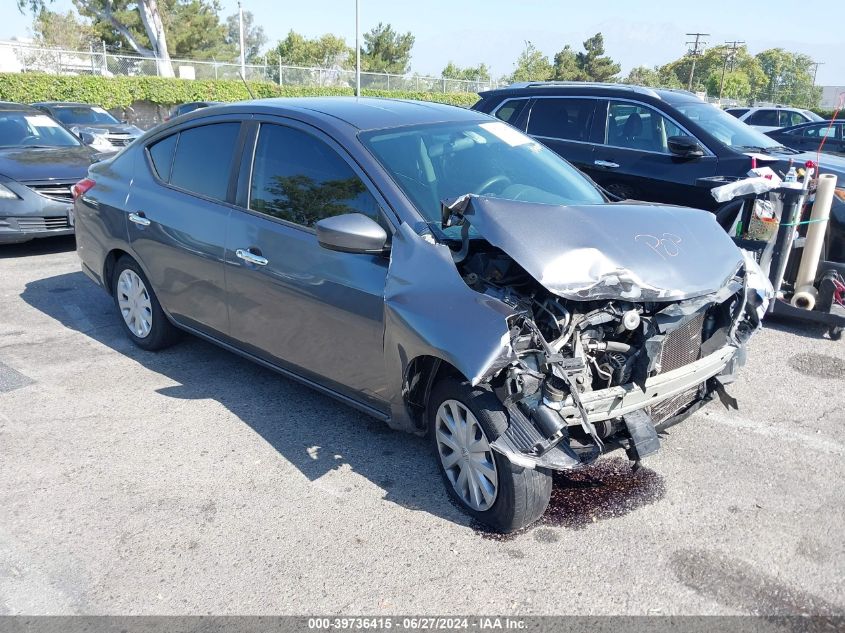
(771, 118)
(93, 124)
(433, 267)
(184, 108)
(808, 137)
(644, 144)
(39, 163)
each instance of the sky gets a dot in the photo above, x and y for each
(469, 32)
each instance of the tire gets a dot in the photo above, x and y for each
(520, 495)
(143, 320)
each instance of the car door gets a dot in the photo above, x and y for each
(291, 302)
(177, 217)
(564, 124)
(634, 162)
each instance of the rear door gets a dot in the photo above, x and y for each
(177, 214)
(565, 125)
(313, 311)
(633, 160)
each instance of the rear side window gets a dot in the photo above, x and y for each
(737, 112)
(161, 153)
(568, 119)
(298, 178)
(510, 111)
(764, 117)
(203, 159)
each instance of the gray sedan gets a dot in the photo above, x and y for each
(433, 267)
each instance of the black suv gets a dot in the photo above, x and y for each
(646, 144)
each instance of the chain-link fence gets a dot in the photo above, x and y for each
(16, 57)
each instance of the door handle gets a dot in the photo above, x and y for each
(606, 164)
(250, 257)
(139, 219)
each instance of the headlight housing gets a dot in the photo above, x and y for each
(7, 194)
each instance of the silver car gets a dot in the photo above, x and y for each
(433, 267)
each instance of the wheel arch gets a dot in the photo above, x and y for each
(421, 373)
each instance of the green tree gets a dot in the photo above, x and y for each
(593, 64)
(62, 30)
(531, 65)
(149, 41)
(386, 51)
(326, 51)
(476, 73)
(254, 37)
(643, 76)
(566, 65)
(736, 85)
(788, 78)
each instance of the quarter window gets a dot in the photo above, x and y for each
(161, 153)
(637, 127)
(298, 178)
(510, 111)
(203, 159)
(568, 119)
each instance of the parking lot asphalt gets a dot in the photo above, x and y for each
(191, 481)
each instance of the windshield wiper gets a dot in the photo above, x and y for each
(779, 149)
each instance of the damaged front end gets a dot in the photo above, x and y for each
(601, 355)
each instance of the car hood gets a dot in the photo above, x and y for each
(624, 251)
(45, 163)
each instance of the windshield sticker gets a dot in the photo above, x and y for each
(41, 120)
(506, 133)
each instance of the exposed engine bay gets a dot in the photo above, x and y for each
(587, 376)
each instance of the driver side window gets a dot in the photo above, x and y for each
(637, 127)
(298, 178)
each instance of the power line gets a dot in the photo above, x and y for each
(696, 51)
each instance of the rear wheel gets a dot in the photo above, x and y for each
(463, 422)
(143, 319)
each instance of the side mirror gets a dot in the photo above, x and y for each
(684, 146)
(86, 137)
(351, 233)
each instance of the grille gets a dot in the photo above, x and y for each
(55, 191)
(669, 407)
(119, 141)
(683, 345)
(42, 224)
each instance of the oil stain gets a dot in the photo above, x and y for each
(736, 584)
(606, 490)
(818, 365)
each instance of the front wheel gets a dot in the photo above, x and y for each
(463, 422)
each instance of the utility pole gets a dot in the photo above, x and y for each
(815, 66)
(730, 54)
(241, 30)
(357, 49)
(696, 51)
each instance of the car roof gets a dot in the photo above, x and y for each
(535, 88)
(59, 104)
(11, 106)
(363, 113)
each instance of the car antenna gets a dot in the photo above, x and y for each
(246, 85)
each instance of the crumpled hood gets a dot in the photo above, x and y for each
(27, 164)
(635, 252)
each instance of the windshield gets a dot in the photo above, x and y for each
(83, 115)
(728, 129)
(440, 161)
(24, 129)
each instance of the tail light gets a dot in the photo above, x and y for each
(82, 187)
